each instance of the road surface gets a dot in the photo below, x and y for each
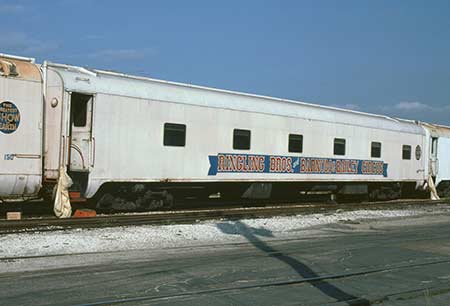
(400, 261)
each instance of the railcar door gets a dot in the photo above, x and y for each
(443, 157)
(434, 161)
(81, 157)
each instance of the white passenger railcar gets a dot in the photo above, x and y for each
(127, 139)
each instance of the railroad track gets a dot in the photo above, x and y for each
(189, 216)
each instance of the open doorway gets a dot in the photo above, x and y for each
(79, 109)
(81, 158)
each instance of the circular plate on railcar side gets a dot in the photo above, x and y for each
(9, 117)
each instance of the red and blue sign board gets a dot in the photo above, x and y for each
(254, 163)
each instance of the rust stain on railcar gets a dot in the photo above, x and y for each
(437, 130)
(15, 68)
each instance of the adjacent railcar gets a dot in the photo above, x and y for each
(438, 154)
(137, 141)
(21, 114)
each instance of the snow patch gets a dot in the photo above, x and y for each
(169, 236)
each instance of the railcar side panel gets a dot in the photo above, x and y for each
(129, 144)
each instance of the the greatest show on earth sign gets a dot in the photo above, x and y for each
(9, 117)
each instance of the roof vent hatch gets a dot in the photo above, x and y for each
(8, 69)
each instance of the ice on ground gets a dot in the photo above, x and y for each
(168, 236)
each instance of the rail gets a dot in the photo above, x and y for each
(194, 215)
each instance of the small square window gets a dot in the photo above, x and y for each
(339, 146)
(375, 149)
(295, 143)
(406, 152)
(241, 139)
(174, 134)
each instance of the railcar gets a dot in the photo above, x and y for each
(130, 142)
(437, 152)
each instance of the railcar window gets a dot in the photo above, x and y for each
(241, 139)
(375, 149)
(79, 109)
(406, 152)
(295, 143)
(434, 142)
(339, 146)
(174, 134)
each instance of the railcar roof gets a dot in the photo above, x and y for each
(19, 68)
(114, 83)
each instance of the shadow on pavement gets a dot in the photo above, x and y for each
(250, 233)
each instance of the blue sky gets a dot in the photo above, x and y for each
(389, 57)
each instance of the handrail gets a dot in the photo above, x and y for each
(20, 58)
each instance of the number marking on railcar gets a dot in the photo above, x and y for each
(8, 157)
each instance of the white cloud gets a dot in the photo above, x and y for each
(414, 107)
(417, 111)
(11, 8)
(411, 106)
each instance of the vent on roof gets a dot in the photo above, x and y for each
(8, 69)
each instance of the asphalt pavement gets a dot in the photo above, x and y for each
(389, 262)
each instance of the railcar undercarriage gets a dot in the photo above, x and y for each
(127, 196)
